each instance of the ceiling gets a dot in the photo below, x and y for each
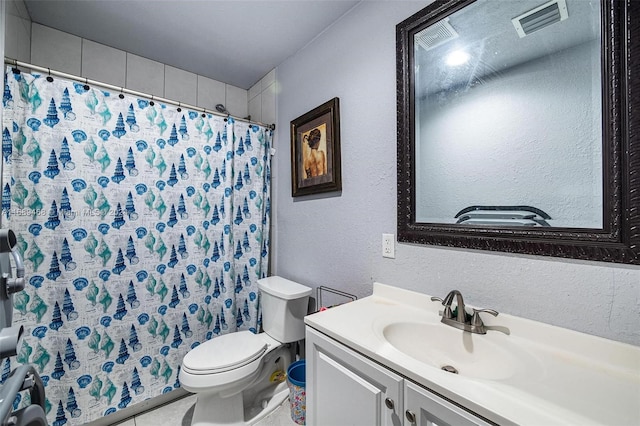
(236, 42)
(487, 34)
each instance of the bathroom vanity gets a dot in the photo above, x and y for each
(388, 359)
(344, 387)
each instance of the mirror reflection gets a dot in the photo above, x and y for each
(508, 115)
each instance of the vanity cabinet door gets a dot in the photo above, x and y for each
(345, 388)
(424, 408)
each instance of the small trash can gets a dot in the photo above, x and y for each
(296, 379)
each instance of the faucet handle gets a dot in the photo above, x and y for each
(437, 299)
(476, 320)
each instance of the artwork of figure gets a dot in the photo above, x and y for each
(315, 159)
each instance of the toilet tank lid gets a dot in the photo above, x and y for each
(283, 288)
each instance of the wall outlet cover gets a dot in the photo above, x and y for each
(388, 246)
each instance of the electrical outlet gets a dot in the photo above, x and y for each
(388, 246)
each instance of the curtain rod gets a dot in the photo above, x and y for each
(49, 71)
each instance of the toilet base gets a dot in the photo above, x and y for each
(211, 410)
(239, 410)
(260, 398)
(264, 403)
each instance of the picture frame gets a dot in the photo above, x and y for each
(315, 151)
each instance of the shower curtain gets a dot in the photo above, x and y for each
(143, 229)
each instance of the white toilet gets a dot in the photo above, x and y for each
(235, 375)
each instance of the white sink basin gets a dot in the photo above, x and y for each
(477, 356)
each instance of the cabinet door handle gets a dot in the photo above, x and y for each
(389, 403)
(410, 416)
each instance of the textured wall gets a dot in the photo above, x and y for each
(335, 239)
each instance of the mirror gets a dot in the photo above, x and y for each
(512, 128)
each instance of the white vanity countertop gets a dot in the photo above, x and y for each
(570, 378)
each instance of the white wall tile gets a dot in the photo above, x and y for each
(268, 79)
(210, 93)
(145, 75)
(10, 8)
(3, 31)
(61, 51)
(17, 8)
(180, 85)
(24, 40)
(11, 36)
(17, 33)
(103, 63)
(269, 104)
(255, 108)
(237, 103)
(255, 90)
(55, 49)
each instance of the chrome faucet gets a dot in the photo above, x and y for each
(463, 321)
(461, 316)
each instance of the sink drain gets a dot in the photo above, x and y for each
(449, 369)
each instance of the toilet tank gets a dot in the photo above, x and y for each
(284, 305)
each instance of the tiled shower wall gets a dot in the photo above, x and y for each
(262, 107)
(17, 31)
(262, 99)
(48, 47)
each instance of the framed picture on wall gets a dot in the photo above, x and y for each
(315, 150)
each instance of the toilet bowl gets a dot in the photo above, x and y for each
(237, 376)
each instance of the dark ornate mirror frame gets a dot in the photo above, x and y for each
(619, 240)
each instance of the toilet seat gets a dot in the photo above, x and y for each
(225, 353)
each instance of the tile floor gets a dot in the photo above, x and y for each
(179, 412)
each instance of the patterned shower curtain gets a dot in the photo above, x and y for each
(143, 228)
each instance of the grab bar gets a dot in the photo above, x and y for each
(22, 378)
(531, 209)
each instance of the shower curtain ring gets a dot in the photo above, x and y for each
(49, 78)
